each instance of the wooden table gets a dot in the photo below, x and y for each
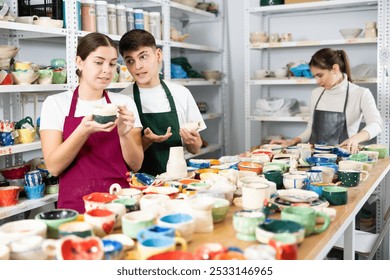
(314, 246)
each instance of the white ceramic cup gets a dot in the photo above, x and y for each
(254, 194)
(327, 173)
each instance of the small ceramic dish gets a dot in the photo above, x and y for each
(199, 163)
(172, 192)
(297, 195)
(268, 229)
(331, 157)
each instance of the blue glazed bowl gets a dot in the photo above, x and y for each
(34, 192)
(340, 152)
(317, 160)
(112, 249)
(6, 139)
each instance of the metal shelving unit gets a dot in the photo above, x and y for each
(260, 54)
(379, 45)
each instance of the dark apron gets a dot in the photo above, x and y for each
(156, 156)
(329, 127)
(97, 166)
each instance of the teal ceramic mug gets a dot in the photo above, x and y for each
(307, 217)
(351, 177)
(59, 76)
(335, 195)
(275, 176)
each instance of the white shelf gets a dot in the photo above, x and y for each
(301, 81)
(20, 148)
(25, 204)
(33, 28)
(209, 149)
(179, 11)
(278, 118)
(196, 82)
(33, 88)
(194, 47)
(312, 6)
(310, 43)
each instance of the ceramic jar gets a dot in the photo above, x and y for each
(176, 166)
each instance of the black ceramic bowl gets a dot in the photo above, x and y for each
(57, 214)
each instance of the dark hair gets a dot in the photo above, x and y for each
(135, 39)
(90, 43)
(326, 58)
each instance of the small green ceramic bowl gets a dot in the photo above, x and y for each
(104, 119)
(335, 195)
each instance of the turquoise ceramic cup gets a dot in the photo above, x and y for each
(335, 195)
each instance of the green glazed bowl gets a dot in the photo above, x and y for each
(104, 119)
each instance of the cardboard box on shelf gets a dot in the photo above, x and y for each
(299, 1)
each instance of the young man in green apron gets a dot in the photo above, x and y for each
(164, 107)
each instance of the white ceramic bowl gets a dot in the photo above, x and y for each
(24, 78)
(22, 228)
(212, 74)
(191, 3)
(7, 51)
(349, 33)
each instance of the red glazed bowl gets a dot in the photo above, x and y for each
(97, 200)
(9, 195)
(250, 166)
(174, 255)
(15, 172)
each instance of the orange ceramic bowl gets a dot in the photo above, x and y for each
(9, 195)
(250, 166)
(205, 170)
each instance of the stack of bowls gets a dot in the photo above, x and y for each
(34, 187)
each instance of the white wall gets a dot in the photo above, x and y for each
(235, 15)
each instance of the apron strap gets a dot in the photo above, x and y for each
(73, 104)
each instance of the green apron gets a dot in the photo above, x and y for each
(156, 156)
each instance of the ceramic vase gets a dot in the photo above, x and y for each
(176, 166)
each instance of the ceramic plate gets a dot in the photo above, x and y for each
(297, 195)
(318, 203)
(164, 176)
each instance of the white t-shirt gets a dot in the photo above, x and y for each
(56, 107)
(360, 104)
(154, 100)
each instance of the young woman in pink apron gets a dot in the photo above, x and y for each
(86, 155)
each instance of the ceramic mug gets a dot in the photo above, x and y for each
(135, 221)
(155, 231)
(101, 220)
(286, 246)
(327, 173)
(59, 76)
(153, 246)
(254, 195)
(307, 217)
(183, 223)
(351, 178)
(45, 76)
(314, 175)
(245, 223)
(335, 195)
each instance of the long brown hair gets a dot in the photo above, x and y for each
(90, 43)
(326, 58)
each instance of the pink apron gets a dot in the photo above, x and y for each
(98, 164)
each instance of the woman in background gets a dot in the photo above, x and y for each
(338, 105)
